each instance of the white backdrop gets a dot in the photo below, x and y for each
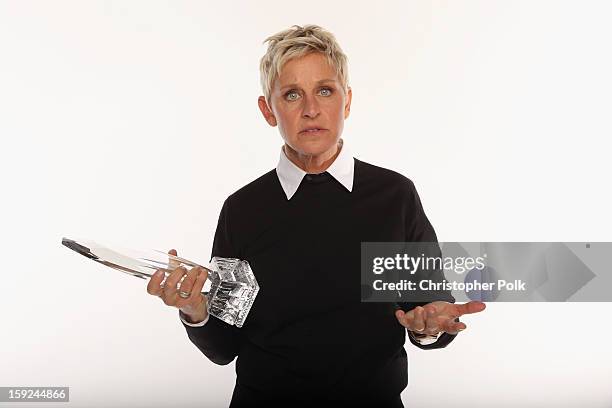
(130, 122)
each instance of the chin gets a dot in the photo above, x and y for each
(314, 145)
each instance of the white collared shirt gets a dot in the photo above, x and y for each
(290, 175)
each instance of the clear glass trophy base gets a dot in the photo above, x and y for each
(230, 289)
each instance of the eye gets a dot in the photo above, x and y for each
(326, 91)
(291, 95)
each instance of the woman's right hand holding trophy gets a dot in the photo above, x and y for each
(186, 296)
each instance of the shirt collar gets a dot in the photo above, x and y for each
(290, 175)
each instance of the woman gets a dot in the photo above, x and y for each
(308, 338)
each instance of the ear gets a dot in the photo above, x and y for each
(266, 112)
(347, 105)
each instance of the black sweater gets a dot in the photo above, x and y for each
(308, 333)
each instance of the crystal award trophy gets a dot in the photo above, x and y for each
(231, 284)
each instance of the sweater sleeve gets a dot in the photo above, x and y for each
(219, 341)
(419, 229)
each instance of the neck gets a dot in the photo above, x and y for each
(313, 164)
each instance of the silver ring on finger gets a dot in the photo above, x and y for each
(184, 294)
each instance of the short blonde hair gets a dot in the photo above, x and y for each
(296, 42)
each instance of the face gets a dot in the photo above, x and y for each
(308, 95)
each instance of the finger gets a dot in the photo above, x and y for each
(453, 327)
(154, 285)
(431, 325)
(405, 319)
(430, 309)
(409, 320)
(199, 283)
(401, 317)
(172, 263)
(196, 292)
(201, 280)
(468, 308)
(187, 285)
(418, 323)
(170, 292)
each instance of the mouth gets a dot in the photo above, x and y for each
(313, 131)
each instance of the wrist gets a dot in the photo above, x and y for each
(423, 335)
(195, 317)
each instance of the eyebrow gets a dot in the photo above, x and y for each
(322, 81)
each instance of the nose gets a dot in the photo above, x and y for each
(310, 108)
